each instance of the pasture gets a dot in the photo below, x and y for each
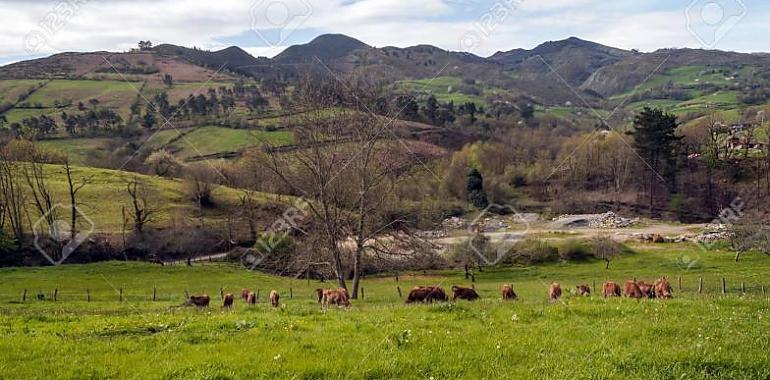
(105, 195)
(693, 336)
(211, 140)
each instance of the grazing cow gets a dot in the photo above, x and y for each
(662, 288)
(199, 301)
(426, 294)
(508, 293)
(584, 290)
(464, 294)
(245, 294)
(228, 301)
(251, 298)
(631, 289)
(554, 291)
(337, 297)
(611, 289)
(274, 298)
(646, 289)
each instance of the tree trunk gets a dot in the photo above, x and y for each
(356, 272)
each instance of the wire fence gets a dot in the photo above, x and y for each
(683, 286)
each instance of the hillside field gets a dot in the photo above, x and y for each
(693, 336)
(105, 195)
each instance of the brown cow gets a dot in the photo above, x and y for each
(611, 289)
(631, 289)
(584, 290)
(662, 288)
(274, 298)
(464, 293)
(646, 289)
(228, 301)
(337, 297)
(199, 301)
(426, 294)
(245, 294)
(554, 291)
(508, 293)
(251, 298)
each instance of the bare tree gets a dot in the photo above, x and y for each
(12, 197)
(247, 210)
(200, 186)
(749, 234)
(72, 190)
(345, 169)
(605, 248)
(144, 203)
(43, 198)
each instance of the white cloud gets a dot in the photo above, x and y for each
(264, 51)
(117, 25)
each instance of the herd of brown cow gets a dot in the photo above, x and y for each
(228, 299)
(339, 297)
(661, 288)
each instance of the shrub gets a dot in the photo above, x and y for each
(574, 250)
(162, 163)
(532, 251)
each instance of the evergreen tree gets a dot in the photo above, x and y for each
(655, 140)
(475, 188)
(431, 110)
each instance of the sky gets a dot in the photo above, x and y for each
(37, 28)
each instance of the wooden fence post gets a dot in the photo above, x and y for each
(362, 292)
(154, 294)
(24, 297)
(700, 285)
(88, 295)
(396, 276)
(121, 294)
(743, 287)
(594, 288)
(680, 282)
(291, 293)
(724, 286)
(56, 294)
(399, 292)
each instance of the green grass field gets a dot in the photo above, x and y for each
(725, 102)
(77, 149)
(211, 140)
(105, 195)
(11, 89)
(686, 77)
(693, 336)
(445, 89)
(116, 94)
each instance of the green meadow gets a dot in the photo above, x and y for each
(105, 195)
(706, 335)
(202, 141)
